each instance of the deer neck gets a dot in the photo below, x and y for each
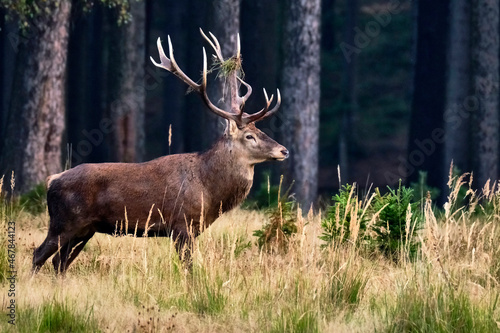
(226, 175)
(222, 160)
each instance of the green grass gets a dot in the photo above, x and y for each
(300, 319)
(54, 316)
(207, 296)
(4, 263)
(440, 308)
(347, 285)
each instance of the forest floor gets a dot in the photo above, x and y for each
(128, 284)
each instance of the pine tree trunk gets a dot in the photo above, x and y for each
(32, 144)
(226, 26)
(485, 81)
(127, 90)
(261, 60)
(456, 115)
(195, 138)
(259, 44)
(2, 69)
(426, 140)
(85, 88)
(173, 91)
(301, 95)
(349, 99)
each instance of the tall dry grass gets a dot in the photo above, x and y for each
(129, 284)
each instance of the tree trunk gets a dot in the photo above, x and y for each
(456, 115)
(85, 87)
(349, 100)
(195, 111)
(226, 26)
(2, 69)
(301, 95)
(32, 144)
(485, 81)
(173, 90)
(127, 90)
(259, 44)
(261, 59)
(425, 149)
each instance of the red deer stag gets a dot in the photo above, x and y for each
(174, 196)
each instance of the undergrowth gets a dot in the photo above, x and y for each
(429, 306)
(386, 222)
(276, 235)
(54, 316)
(423, 271)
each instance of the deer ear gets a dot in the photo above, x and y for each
(231, 128)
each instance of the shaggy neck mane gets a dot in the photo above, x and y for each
(225, 175)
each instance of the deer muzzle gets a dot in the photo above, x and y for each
(281, 154)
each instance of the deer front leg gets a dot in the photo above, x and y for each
(184, 242)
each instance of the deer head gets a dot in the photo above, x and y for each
(254, 145)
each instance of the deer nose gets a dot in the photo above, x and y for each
(285, 152)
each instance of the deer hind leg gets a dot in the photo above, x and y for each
(69, 252)
(49, 246)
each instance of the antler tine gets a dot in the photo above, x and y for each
(218, 50)
(215, 46)
(265, 112)
(276, 106)
(268, 101)
(171, 65)
(204, 75)
(248, 93)
(238, 46)
(171, 54)
(164, 61)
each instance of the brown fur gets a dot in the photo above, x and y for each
(184, 193)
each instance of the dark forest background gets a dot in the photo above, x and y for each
(405, 86)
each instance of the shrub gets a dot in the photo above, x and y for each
(399, 219)
(276, 234)
(387, 222)
(345, 216)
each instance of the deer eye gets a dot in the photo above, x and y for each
(250, 137)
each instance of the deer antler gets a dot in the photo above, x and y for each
(265, 112)
(171, 66)
(237, 101)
